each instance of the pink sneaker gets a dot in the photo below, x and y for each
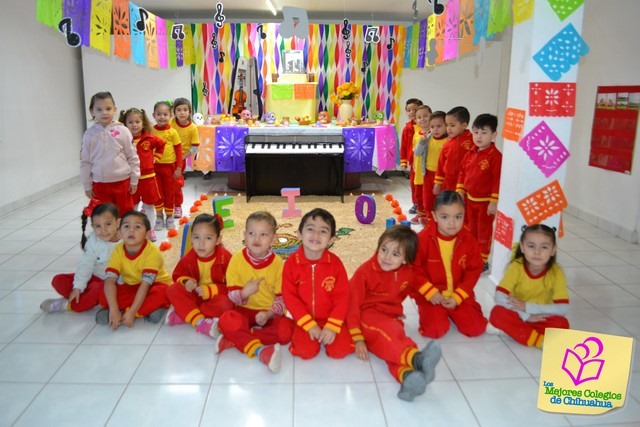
(270, 355)
(152, 236)
(177, 212)
(208, 327)
(173, 318)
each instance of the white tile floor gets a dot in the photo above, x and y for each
(62, 369)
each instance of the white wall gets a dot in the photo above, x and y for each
(608, 199)
(41, 119)
(133, 85)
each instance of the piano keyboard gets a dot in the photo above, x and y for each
(294, 148)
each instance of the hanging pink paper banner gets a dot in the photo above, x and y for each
(386, 147)
(552, 99)
(163, 51)
(543, 203)
(451, 30)
(545, 149)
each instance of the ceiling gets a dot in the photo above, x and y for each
(318, 11)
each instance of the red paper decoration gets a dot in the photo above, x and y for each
(552, 99)
(503, 233)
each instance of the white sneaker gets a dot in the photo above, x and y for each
(492, 330)
(159, 222)
(170, 223)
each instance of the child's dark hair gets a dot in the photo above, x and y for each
(263, 216)
(438, 115)
(407, 240)
(211, 220)
(137, 214)
(486, 120)
(182, 101)
(324, 214)
(413, 101)
(536, 228)
(159, 103)
(446, 198)
(100, 95)
(424, 107)
(460, 113)
(96, 211)
(146, 123)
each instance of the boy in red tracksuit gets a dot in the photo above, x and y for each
(406, 146)
(315, 288)
(378, 288)
(479, 180)
(460, 141)
(450, 258)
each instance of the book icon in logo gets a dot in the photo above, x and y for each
(581, 362)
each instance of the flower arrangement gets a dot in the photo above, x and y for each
(346, 91)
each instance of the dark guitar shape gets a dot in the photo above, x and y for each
(239, 97)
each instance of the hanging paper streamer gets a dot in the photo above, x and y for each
(161, 31)
(545, 149)
(422, 44)
(205, 159)
(564, 8)
(188, 52)
(45, 12)
(522, 10)
(358, 154)
(451, 32)
(552, 99)
(151, 41)
(543, 203)
(432, 53)
(121, 35)
(230, 148)
(441, 23)
(499, 16)
(80, 13)
(513, 124)
(171, 45)
(466, 27)
(385, 147)
(503, 233)
(137, 35)
(100, 25)
(408, 46)
(561, 52)
(481, 20)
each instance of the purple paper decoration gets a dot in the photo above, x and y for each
(422, 44)
(80, 13)
(561, 52)
(386, 147)
(544, 148)
(230, 148)
(358, 149)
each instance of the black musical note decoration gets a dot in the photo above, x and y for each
(205, 90)
(221, 56)
(73, 38)
(415, 10)
(219, 18)
(438, 8)
(432, 53)
(214, 41)
(346, 32)
(372, 35)
(392, 42)
(260, 30)
(177, 32)
(348, 50)
(141, 23)
(364, 67)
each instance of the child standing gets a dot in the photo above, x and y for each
(315, 287)
(135, 277)
(430, 150)
(188, 133)
(479, 180)
(150, 149)
(460, 141)
(378, 288)
(199, 292)
(81, 291)
(109, 164)
(169, 167)
(256, 325)
(423, 115)
(532, 295)
(406, 146)
(450, 258)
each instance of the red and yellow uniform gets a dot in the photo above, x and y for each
(450, 158)
(316, 293)
(453, 266)
(130, 270)
(150, 149)
(545, 293)
(479, 180)
(375, 313)
(417, 178)
(406, 154)
(431, 165)
(237, 324)
(210, 274)
(166, 166)
(189, 138)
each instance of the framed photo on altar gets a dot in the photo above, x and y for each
(293, 62)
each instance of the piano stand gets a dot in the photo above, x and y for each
(315, 174)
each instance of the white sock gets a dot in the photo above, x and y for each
(150, 212)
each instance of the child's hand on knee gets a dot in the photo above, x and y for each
(327, 336)
(449, 303)
(115, 317)
(263, 317)
(315, 332)
(129, 318)
(436, 299)
(362, 352)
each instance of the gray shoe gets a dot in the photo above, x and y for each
(157, 316)
(102, 316)
(429, 358)
(54, 305)
(412, 385)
